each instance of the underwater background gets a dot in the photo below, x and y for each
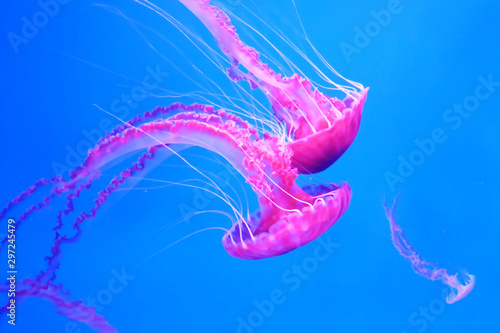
(422, 62)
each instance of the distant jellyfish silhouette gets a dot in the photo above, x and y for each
(426, 269)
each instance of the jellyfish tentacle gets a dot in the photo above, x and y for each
(73, 310)
(176, 108)
(53, 259)
(43, 285)
(36, 207)
(28, 192)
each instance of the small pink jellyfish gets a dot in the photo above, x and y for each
(428, 270)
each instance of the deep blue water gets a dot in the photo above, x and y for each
(423, 62)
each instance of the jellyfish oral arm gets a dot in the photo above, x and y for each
(209, 132)
(428, 270)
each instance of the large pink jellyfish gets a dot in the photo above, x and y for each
(318, 130)
(426, 269)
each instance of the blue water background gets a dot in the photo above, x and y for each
(429, 57)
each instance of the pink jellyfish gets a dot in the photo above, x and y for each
(426, 269)
(320, 128)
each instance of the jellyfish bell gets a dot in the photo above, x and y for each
(315, 152)
(280, 231)
(458, 290)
